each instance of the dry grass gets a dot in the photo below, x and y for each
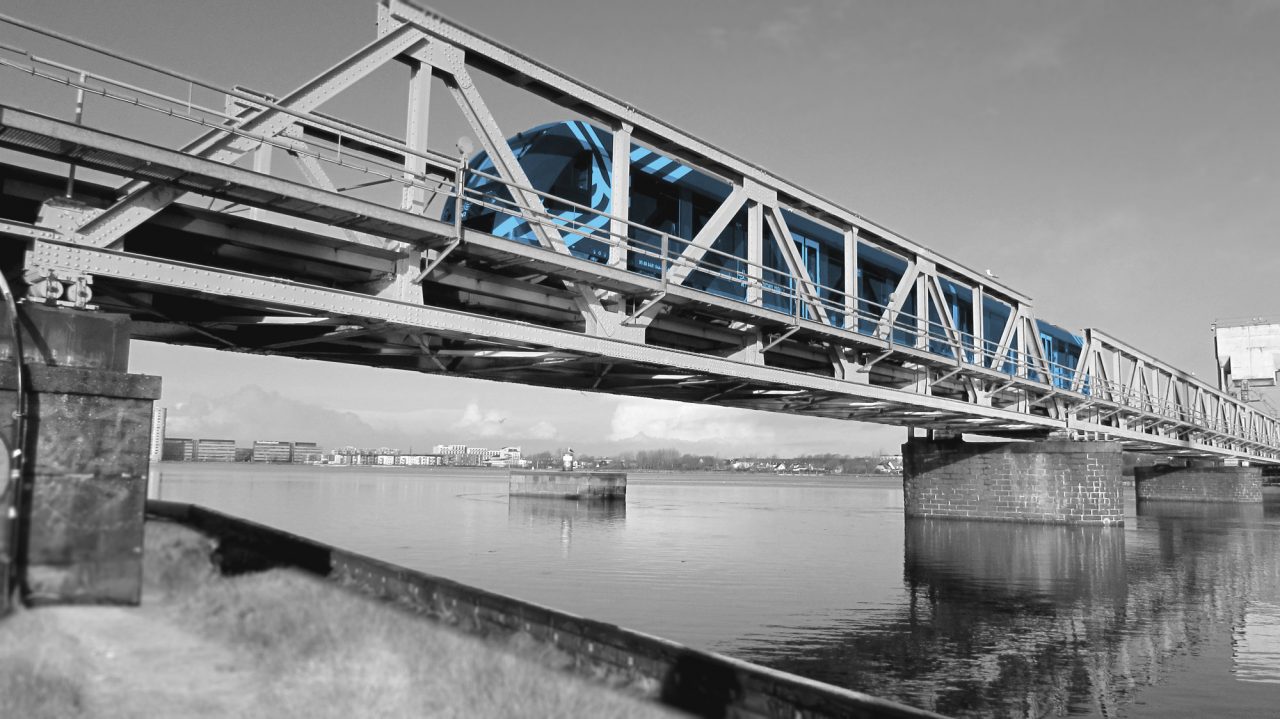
(314, 650)
(332, 654)
(42, 671)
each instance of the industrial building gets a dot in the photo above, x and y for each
(215, 450)
(159, 415)
(274, 452)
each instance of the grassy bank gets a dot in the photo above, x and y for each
(283, 644)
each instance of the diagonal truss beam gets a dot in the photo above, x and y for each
(697, 249)
(806, 289)
(144, 200)
(528, 203)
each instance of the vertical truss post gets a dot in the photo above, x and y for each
(620, 194)
(851, 279)
(927, 269)
(755, 253)
(261, 164)
(413, 197)
(71, 168)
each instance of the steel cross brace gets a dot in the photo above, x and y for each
(145, 199)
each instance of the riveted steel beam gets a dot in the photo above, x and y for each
(145, 199)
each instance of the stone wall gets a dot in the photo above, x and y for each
(88, 431)
(1198, 484)
(1053, 481)
(570, 485)
(86, 482)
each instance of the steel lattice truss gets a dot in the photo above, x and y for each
(315, 270)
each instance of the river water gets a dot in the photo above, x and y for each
(1176, 614)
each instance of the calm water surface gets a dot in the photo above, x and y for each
(1177, 614)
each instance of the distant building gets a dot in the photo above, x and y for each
(275, 452)
(215, 450)
(421, 460)
(306, 453)
(889, 464)
(505, 457)
(177, 449)
(159, 415)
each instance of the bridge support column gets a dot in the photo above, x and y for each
(1198, 484)
(83, 490)
(1051, 481)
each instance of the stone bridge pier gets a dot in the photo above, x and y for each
(1198, 483)
(81, 498)
(1055, 481)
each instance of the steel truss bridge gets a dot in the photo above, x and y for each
(338, 253)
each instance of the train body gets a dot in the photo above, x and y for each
(572, 160)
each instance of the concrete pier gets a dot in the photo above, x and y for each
(1051, 481)
(567, 485)
(1198, 484)
(84, 482)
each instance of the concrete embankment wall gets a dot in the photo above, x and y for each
(703, 683)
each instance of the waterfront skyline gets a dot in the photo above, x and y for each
(1117, 162)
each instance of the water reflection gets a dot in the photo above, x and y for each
(1016, 620)
(1034, 609)
(999, 620)
(564, 514)
(1173, 615)
(1201, 511)
(1255, 644)
(531, 511)
(1031, 563)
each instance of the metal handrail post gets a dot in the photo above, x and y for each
(460, 184)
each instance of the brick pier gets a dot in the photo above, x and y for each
(1051, 481)
(1198, 484)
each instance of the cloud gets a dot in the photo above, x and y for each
(480, 423)
(477, 422)
(651, 420)
(542, 430)
(253, 413)
(646, 424)
(788, 31)
(1251, 9)
(1041, 51)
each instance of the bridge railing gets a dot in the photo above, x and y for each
(367, 157)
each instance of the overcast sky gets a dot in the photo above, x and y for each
(1118, 161)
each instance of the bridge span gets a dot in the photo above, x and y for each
(647, 263)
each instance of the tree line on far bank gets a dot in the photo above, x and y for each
(673, 460)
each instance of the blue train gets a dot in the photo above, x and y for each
(572, 160)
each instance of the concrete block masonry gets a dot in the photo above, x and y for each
(1198, 484)
(89, 426)
(567, 485)
(1053, 481)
